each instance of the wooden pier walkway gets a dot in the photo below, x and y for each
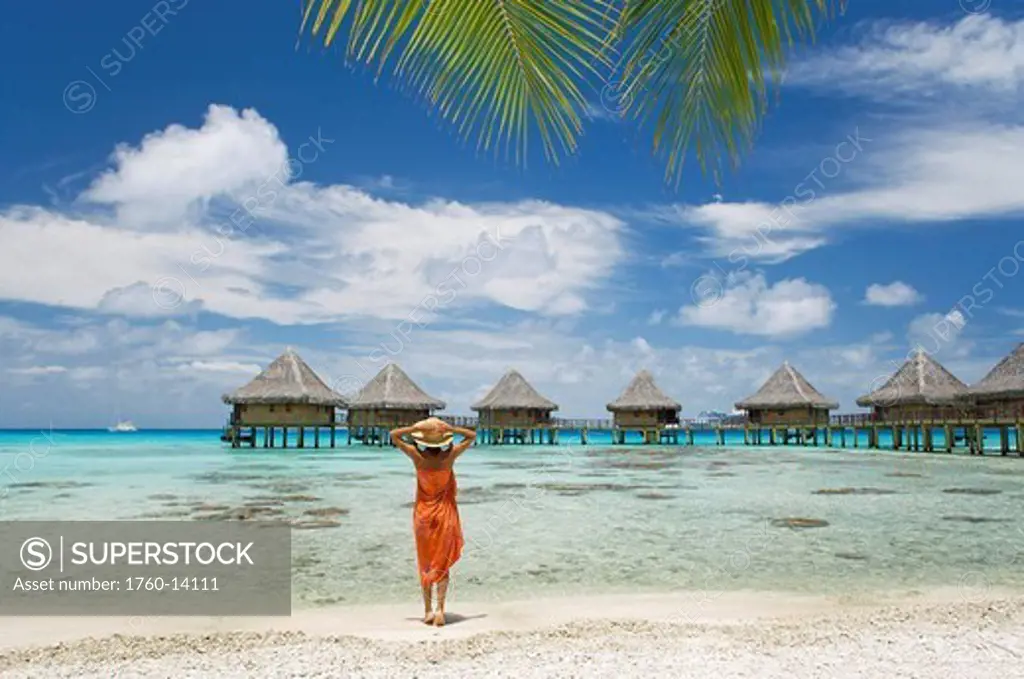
(851, 431)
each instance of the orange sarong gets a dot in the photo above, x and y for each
(435, 522)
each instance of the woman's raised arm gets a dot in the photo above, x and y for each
(468, 436)
(398, 438)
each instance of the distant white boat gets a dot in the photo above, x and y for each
(123, 426)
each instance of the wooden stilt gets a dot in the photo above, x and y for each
(302, 437)
(252, 437)
(332, 435)
(266, 437)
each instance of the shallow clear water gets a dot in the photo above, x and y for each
(549, 520)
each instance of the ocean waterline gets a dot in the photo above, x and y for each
(554, 520)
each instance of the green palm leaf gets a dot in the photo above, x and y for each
(495, 68)
(499, 69)
(695, 69)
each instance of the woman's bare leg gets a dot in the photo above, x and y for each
(442, 590)
(428, 608)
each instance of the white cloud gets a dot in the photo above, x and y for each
(221, 367)
(908, 61)
(656, 317)
(90, 373)
(171, 170)
(182, 240)
(896, 293)
(751, 231)
(1012, 313)
(917, 177)
(939, 334)
(158, 373)
(598, 111)
(39, 370)
(748, 305)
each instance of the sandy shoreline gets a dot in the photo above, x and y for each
(736, 634)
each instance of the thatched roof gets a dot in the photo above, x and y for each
(1006, 380)
(287, 380)
(513, 392)
(787, 388)
(920, 380)
(392, 388)
(643, 394)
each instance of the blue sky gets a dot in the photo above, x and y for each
(879, 209)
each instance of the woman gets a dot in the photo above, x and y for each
(435, 516)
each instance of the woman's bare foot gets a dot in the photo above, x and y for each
(439, 619)
(428, 618)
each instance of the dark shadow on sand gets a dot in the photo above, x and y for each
(452, 618)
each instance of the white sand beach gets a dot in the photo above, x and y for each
(947, 633)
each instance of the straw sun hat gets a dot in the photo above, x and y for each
(433, 439)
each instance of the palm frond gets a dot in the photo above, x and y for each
(696, 69)
(495, 68)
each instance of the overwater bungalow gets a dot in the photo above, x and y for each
(921, 390)
(1000, 394)
(514, 412)
(391, 399)
(288, 394)
(645, 408)
(787, 399)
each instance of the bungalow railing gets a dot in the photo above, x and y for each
(837, 420)
(851, 419)
(554, 422)
(467, 421)
(930, 415)
(574, 423)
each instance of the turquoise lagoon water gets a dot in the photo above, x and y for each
(552, 520)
